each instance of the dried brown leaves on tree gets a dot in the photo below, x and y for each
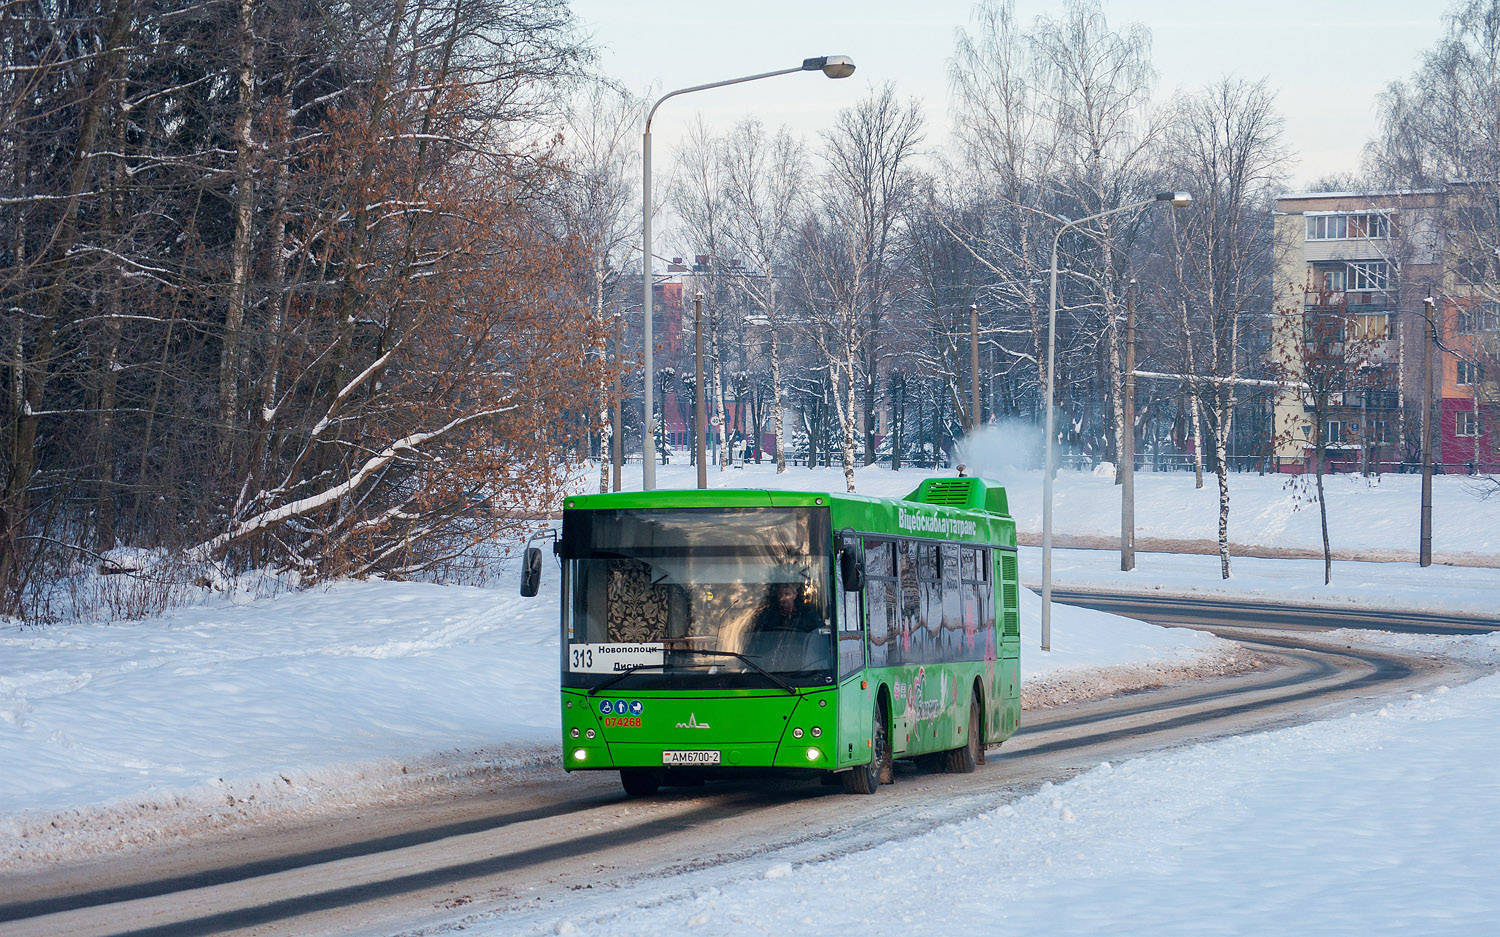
(286, 284)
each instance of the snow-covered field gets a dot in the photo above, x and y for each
(233, 709)
(1373, 514)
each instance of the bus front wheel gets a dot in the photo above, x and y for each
(640, 782)
(866, 779)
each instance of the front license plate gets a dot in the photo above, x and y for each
(689, 758)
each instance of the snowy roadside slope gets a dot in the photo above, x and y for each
(208, 717)
(1384, 822)
(227, 711)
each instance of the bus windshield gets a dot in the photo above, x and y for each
(697, 598)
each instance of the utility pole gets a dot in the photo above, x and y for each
(1364, 430)
(1127, 442)
(617, 438)
(698, 417)
(974, 411)
(1425, 547)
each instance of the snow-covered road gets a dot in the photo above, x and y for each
(571, 847)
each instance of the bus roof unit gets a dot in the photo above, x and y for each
(974, 494)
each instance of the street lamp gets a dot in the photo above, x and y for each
(834, 66)
(1176, 200)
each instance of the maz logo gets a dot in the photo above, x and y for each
(692, 723)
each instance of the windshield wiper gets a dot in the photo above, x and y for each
(707, 653)
(745, 660)
(623, 674)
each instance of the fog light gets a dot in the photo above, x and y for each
(817, 732)
(580, 753)
(796, 733)
(813, 754)
(575, 733)
(591, 733)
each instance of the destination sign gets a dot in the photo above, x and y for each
(614, 657)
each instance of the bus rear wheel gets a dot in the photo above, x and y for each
(866, 779)
(964, 759)
(640, 782)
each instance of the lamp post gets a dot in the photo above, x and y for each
(834, 66)
(974, 420)
(1424, 542)
(1176, 200)
(698, 425)
(617, 455)
(1127, 442)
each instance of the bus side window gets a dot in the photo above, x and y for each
(951, 622)
(979, 615)
(909, 620)
(927, 637)
(880, 600)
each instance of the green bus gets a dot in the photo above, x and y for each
(711, 632)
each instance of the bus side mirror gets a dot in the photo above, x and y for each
(531, 571)
(851, 569)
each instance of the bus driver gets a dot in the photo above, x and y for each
(785, 610)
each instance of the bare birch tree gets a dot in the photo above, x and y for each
(1008, 142)
(1098, 88)
(866, 187)
(1224, 145)
(602, 189)
(700, 194)
(766, 177)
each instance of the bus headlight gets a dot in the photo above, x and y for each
(575, 733)
(817, 732)
(580, 754)
(813, 754)
(590, 733)
(796, 733)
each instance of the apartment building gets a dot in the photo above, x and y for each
(1350, 321)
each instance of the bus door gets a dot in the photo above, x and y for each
(854, 701)
(1008, 618)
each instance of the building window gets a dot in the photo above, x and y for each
(1468, 424)
(1380, 432)
(1369, 275)
(1372, 326)
(1334, 280)
(1368, 226)
(1341, 225)
(1469, 374)
(1327, 227)
(1324, 328)
(1333, 431)
(1482, 318)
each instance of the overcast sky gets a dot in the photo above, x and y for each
(1326, 59)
